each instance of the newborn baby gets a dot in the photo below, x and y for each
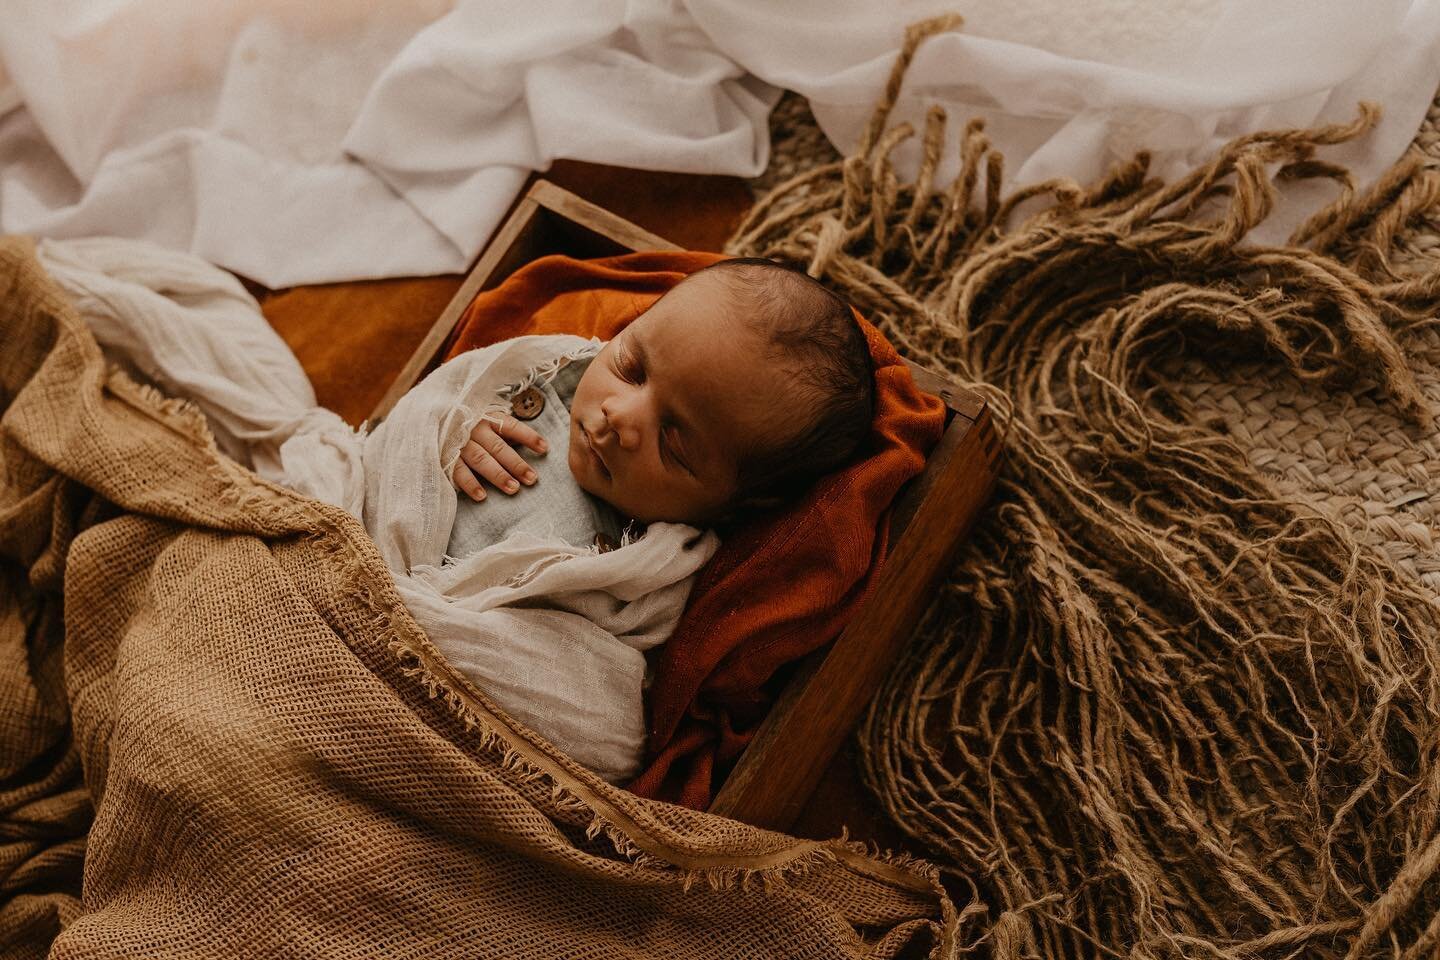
(732, 393)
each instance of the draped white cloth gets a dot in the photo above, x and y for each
(309, 142)
(1071, 88)
(554, 633)
(306, 142)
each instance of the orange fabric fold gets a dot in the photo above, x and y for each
(780, 586)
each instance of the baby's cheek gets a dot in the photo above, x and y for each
(575, 460)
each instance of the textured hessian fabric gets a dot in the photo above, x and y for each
(781, 585)
(214, 704)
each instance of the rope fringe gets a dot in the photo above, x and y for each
(1157, 710)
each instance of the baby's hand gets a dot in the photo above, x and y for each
(486, 454)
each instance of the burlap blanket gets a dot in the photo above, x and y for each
(217, 714)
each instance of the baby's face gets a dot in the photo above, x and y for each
(660, 418)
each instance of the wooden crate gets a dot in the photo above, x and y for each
(827, 692)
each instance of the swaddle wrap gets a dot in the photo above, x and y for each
(555, 633)
(556, 505)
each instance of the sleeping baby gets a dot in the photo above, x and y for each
(544, 579)
(733, 392)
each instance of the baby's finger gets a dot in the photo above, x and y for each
(509, 460)
(485, 465)
(512, 429)
(466, 481)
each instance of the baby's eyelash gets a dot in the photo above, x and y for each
(627, 367)
(668, 449)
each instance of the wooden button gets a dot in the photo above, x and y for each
(605, 542)
(527, 404)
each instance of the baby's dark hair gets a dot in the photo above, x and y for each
(813, 333)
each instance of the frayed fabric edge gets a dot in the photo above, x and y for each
(573, 798)
(542, 373)
(495, 412)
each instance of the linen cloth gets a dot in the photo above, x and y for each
(555, 505)
(1071, 89)
(302, 143)
(222, 733)
(267, 142)
(555, 632)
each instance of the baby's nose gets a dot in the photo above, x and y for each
(625, 435)
(617, 421)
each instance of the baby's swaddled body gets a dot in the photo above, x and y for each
(555, 506)
(727, 395)
(511, 591)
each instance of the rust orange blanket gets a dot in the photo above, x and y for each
(779, 587)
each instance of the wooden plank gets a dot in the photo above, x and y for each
(962, 406)
(502, 245)
(965, 402)
(602, 221)
(778, 771)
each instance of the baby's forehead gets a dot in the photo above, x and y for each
(718, 378)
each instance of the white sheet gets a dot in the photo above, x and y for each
(306, 142)
(310, 142)
(1071, 88)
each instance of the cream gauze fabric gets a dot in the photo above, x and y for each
(555, 504)
(554, 633)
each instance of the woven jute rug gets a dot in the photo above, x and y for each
(1349, 452)
(1180, 695)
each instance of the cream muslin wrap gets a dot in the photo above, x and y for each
(554, 633)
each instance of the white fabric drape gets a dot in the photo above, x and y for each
(555, 634)
(1071, 88)
(296, 143)
(310, 142)
(213, 128)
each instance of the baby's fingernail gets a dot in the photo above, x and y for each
(529, 476)
(478, 496)
(542, 446)
(511, 486)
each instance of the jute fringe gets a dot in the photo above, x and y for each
(1158, 710)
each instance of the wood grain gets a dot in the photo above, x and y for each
(803, 731)
(567, 206)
